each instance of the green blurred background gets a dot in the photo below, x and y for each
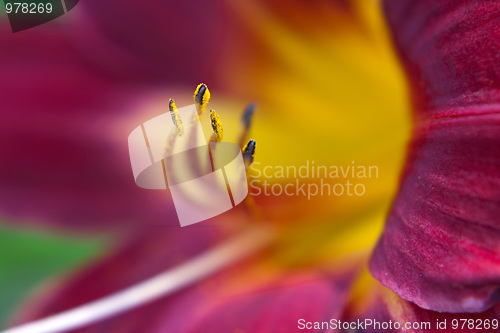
(29, 258)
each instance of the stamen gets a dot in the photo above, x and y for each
(216, 126)
(249, 152)
(175, 116)
(246, 121)
(171, 105)
(201, 98)
(246, 117)
(248, 157)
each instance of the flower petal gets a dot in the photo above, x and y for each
(276, 306)
(170, 41)
(406, 312)
(381, 309)
(147, 252)
(64, 139)
(250, 296)
(441, 248)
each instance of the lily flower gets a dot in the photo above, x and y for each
(277, 260)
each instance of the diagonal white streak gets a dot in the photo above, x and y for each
(64, 6)
(156, 287)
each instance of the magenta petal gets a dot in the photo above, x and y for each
(441, 245)
(165, 41)
(275, 308)
(403, 316)
(222, 303)
(272, 307)
(147, 253)
(406, 312)
(63, 134)
(441, 248)
(450, 51)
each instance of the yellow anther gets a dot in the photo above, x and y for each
(171, 105)
(249, 151)
(216, 125)
(175, 116)
(201, 97)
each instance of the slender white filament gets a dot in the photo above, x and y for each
(158, 286)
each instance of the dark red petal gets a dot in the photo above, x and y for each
(405, 312)
(386, 308)
(450, 51)
(441, 245)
